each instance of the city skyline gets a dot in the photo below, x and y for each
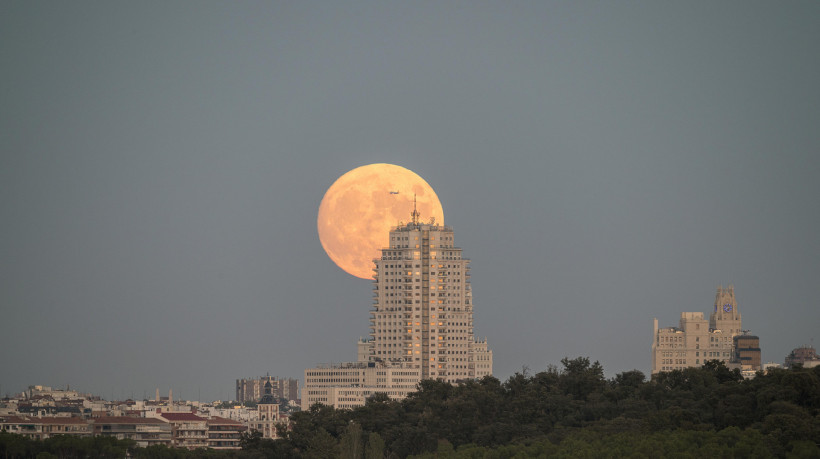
(161, 169)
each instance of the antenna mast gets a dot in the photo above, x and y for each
(415, 213)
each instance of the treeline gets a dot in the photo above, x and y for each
(575, 411)
(568, 412)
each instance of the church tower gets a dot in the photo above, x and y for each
(726, 315)
(268, 409)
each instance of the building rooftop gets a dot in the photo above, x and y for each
(182, 417)
(127, 420)
(216, 420)
(62, 420)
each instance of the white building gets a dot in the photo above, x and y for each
(348, 385)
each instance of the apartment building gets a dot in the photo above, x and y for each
(144, 431)
(224, 433)
(187, 430)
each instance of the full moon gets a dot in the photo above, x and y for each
(359, 209)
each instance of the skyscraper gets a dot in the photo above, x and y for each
(422, 305)
(421, 324)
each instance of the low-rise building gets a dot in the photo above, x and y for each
(187, 430)
(145, 431)
(41, 428)
(348, 385)
(224, 433)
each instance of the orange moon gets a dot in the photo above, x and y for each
(359, 209)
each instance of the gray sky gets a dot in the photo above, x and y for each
(602, 163)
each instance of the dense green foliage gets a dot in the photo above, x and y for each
(571, 412)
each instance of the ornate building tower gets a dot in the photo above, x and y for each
(422, 313)
(268, 408)
(696, 341)
(726, 316)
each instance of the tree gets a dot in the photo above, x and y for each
(322, 446)
(375, 447)
(580, 378)
(351, 441)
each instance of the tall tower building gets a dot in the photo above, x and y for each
(422, 313)
(421, 324)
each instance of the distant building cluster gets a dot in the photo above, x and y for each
(41, 412)
(421, 325)
(696, 340)
(248, 390)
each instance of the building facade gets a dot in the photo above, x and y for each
(348, 385)
(41, 428)
(252, 389)
(187, 430)
(806, 356)
(421, 324)
(268, 408)
(144, 431)
(224, 433)
(422, 313)
(747, 354)
(695, 340)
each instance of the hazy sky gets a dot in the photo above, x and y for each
(601, 163)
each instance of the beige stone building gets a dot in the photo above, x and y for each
(422, 313)
(421, 324)
(268, 408)
(696, 340)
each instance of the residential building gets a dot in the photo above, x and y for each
(41, 428)
(421, 324)
(696, 341)
(422, 313)
(248, 389)
(252, 389)
(224, 433)
(187, 430)
(144, 431)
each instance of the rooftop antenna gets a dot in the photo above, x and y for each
(415, 213)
